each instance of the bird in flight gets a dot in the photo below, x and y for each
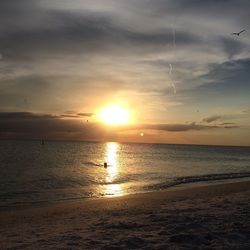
(238, 33)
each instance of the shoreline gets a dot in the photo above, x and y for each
(181, 186)
(213, 216)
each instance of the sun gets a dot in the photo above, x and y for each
(114, 115)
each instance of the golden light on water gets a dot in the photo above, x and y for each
(112, 170)
(114, 189)
(114, 115)
(111, 159)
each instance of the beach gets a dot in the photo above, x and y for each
(197, 217)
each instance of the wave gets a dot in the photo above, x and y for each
(200, 178)
(90, 163)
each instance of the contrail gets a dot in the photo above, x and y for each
(170, 69)
(170, 65)
(170, 75)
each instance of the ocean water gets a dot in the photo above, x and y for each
(32, 173)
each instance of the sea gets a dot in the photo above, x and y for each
(33, 173)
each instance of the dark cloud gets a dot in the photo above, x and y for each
(227, 123)
(85, 114)
(25, 115)
(17, 9)
(70, 112)
(232, 46)
(69, 116)
(78, 115)
(176, 127)
(30, 115)
(24, 92)
(84, 34)
(34, 53)
(165, 37)
(229, 76)
(33, 31)
(25, 125)
(211, 5)
(211, 118)
(232, 126)
(215, 8)
(28, 125)
(226, 83)
(74, 34)
(28, 84)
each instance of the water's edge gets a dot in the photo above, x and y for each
(181, 183)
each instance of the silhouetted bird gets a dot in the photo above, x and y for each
(238, 33)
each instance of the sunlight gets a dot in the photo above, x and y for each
(114, 115)
(114, 189)
(111, 159)
(112, 169)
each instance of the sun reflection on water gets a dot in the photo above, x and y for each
(112, 170)
(111, 159)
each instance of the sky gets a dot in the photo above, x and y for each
(173, 64)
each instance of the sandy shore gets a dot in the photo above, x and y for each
(205, 217)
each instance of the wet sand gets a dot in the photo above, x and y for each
(204, 217)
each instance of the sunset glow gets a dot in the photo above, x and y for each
(114, 115)
(126, 71)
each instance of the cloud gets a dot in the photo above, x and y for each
(25, 115)
(34, 116)
(45, 49)
(69, 116)
(216, 9)
(79, 115)
(226, 117)
(27, 125)
(230, 127)
(230, 75)
(85, 114)
(177, 127)
(84, 34)
(227, 123)
(229, 70)
(246, 111)
(174, 127)
(211, 118)
(232, 47)
(226, 83)
(25, 92)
